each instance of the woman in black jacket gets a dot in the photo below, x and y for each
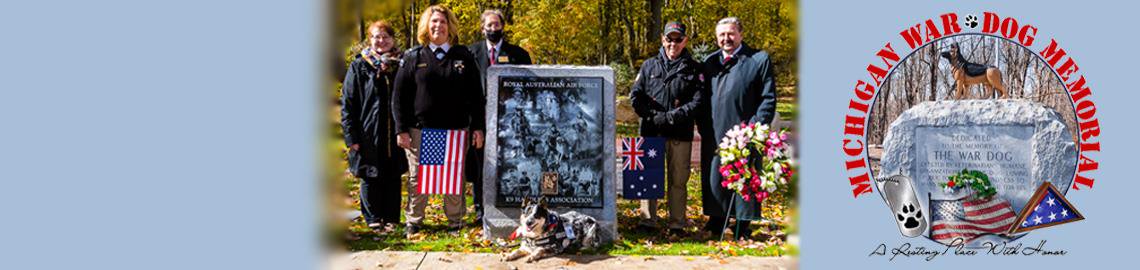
(438, 87)
(369, 130)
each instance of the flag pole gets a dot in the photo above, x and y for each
(724, 225)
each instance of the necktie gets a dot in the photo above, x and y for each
(492, 56)
(439, 53)
(727, 57)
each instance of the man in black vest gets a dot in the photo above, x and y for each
(494, 50)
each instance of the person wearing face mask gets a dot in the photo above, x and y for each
(742, 89)
(666, 94)
(493, 50)
(369, 132)
(436, 87)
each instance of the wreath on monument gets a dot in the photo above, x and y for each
(976, 180)
(754, 161)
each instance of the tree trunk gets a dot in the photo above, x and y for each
(933, 73)
(654, 26)
(360, 17)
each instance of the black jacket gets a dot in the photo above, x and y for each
(742, 90)
(514, 55)
(433, 93)
(366, 120)
(666, 99)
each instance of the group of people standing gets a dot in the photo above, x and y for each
(389, 95)
(673, 92)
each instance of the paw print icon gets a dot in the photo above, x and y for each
(909, 216)
(906, 209)
(971, 21)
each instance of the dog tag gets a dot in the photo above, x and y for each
(569, 230)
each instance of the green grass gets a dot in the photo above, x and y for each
(633, 242)
(788, 110)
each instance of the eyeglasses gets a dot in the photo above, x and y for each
(674, 40)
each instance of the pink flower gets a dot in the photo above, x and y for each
(760, 196)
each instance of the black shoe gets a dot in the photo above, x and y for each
(745, 232)
(647, 225)
(715, 225)
(454, 230)
(411, 229)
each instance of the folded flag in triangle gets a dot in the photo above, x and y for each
(1046, 208)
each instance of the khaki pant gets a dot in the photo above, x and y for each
(453, 205)
(677, 154)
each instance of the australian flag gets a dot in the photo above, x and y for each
(643, 169)
(1046, 208)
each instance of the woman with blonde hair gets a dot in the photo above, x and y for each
(437, 87)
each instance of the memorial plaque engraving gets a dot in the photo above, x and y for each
(550, 133)
(548, 140)
(1004, 153)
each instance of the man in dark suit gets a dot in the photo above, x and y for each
(494, 50)
(742, 89)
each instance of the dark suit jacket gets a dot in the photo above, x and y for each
(742, 90)
(515, 55)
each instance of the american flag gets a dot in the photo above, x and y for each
(969, 218)
(631, 150)
(441, 161)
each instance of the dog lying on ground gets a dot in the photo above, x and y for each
(967, 74)
(545, 232)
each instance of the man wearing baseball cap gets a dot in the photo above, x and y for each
(666, 95)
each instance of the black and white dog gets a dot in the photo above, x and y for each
(545, 232)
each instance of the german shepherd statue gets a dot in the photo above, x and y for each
(968, 74)
(545, 233)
